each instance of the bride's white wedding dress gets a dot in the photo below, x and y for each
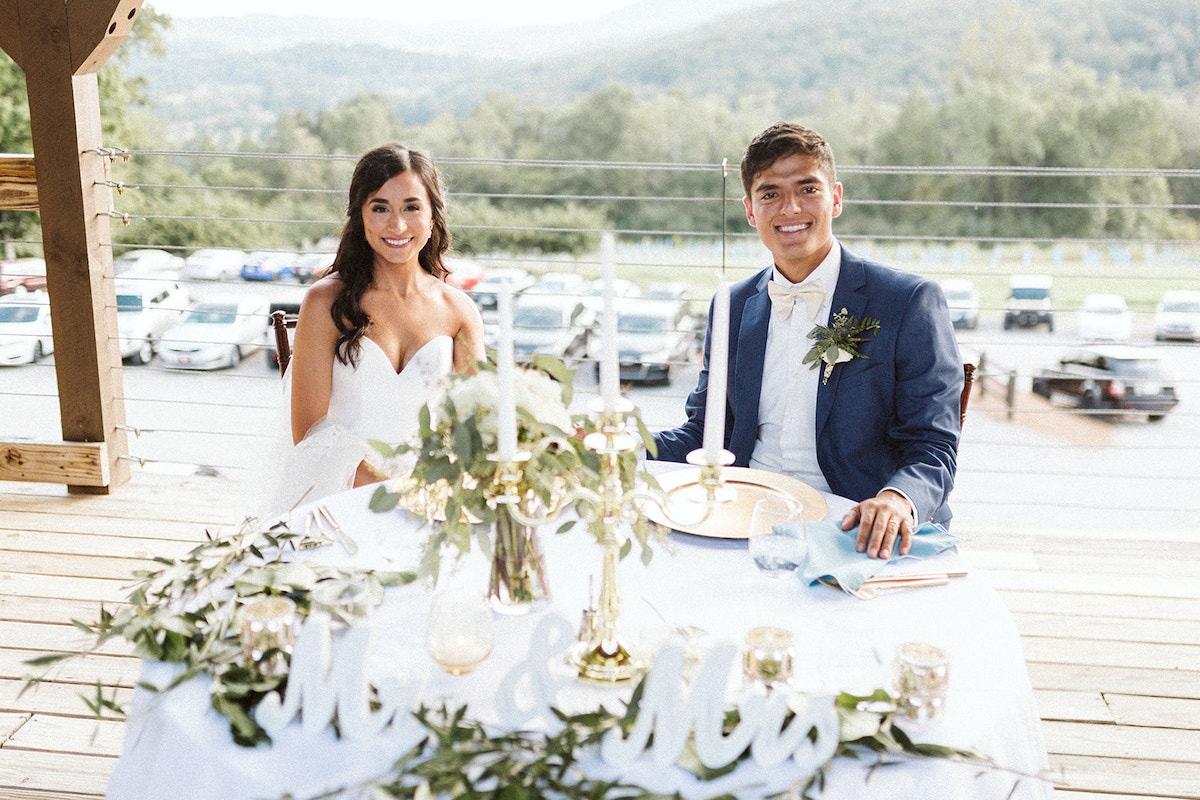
(368, 401)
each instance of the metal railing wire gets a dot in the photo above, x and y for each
(154, 413)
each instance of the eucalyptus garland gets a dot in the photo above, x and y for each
(463, 758)
(185, 613)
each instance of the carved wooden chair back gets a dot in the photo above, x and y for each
(283, 322)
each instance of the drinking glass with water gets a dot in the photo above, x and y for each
(777, 553)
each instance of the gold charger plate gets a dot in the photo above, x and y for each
(732, 520)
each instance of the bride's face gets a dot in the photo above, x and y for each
(398, 219)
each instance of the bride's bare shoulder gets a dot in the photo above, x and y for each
(322, 293)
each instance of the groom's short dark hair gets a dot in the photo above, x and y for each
(782, 140)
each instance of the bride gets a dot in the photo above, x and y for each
(378, 333)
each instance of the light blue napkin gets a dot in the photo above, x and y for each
(831, 552)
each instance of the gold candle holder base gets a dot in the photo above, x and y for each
(711, 488)
(594, 664)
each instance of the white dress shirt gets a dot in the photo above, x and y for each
(787, 405)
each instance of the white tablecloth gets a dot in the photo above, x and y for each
(177, 746)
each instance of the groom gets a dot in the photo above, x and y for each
(881, 428)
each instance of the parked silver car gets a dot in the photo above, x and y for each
(215, 333)
(652, 336)
(552, 326)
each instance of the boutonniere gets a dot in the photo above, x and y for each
(839, 342)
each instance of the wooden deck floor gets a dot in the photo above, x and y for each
(1110, 627)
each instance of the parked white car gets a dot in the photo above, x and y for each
(25, 334)
(1178, 316)
(213, 264)
(150, 263)
(1104, 318)
(146, 309)
(963, 299)
(1029, 302)
(215, 333)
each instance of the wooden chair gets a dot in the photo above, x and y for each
(282, 322)
(968, 382)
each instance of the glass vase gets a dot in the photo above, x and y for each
(518, 580)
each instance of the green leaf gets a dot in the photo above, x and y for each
(383, 501)
(555, 368)
(246, 732)
(396, 578)
(384, 449)
(48, 659)
(690, 761)
(462, 442)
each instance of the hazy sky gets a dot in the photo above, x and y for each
(514, 12)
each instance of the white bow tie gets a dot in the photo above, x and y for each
(784, 297)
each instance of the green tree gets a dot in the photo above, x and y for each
(1010, 107)
(124, 122)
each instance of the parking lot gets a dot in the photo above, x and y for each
(1059, 469)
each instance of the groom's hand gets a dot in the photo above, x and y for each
(882, 520)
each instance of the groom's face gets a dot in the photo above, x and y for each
(792, 205)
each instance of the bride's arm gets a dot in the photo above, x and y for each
(468, 338)
(312, 358)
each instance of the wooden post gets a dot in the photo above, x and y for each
(60, 44)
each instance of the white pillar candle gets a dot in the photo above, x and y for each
(718, 364)
(506, 410)
(610, 365)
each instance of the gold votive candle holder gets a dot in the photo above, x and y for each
(922, 677)
(767, 656)
(267, 630)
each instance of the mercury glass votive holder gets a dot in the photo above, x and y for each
(458, 635)
(267, 630)
(921, 676)
(767, 656)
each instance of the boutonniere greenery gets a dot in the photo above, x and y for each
(839, 342)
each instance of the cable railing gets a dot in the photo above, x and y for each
(221, 420)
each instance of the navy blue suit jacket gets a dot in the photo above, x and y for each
(889, 419)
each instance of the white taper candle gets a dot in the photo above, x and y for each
(718, 365)
(610, 365)
(506, 410)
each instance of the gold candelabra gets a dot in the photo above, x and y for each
(601, 655)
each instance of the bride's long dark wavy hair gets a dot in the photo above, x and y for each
(355, 260)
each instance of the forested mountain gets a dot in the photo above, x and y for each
(231, 77)
(1047, 119)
